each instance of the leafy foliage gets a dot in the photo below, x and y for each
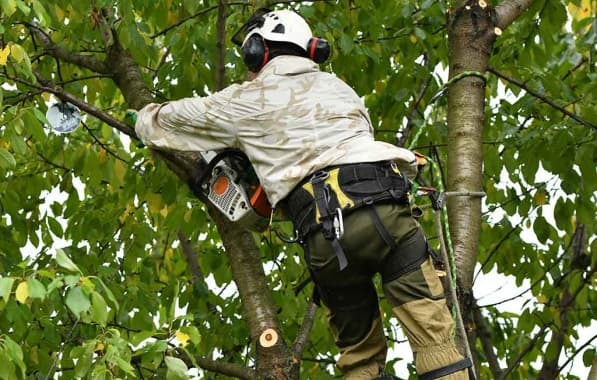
(94, 279)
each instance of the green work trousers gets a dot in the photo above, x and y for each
(416, 297)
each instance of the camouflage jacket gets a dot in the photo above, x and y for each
(291, 120)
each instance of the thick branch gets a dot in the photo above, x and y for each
(65, 96)
(191, 258)
(303, 335)
(543, 98)
(65, 55)
(128, 77)
(258, 305)
(510, 10)
(484, 334)
(414, 108)
(221, 45)
(225, 368)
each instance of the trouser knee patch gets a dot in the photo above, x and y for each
(407, 256)
(353, 310)
(349, 298)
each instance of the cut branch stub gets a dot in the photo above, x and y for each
(268, 338)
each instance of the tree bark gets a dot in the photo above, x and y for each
(470, 37)
(472, 29)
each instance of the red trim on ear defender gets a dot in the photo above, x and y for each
(265, 54)
(312, 47)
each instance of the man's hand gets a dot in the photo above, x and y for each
(130, 117)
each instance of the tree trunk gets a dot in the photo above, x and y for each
(472, 29)
(470, 37)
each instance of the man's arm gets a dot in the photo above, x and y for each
(190, 124)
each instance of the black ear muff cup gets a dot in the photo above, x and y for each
(319, 49)
(255, 53)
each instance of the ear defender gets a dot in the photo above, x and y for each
(318, 49)
(255, 52)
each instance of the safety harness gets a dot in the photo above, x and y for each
(321, 201)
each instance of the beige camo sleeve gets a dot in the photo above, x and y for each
(190, 124)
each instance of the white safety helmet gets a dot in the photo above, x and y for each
(283, 26)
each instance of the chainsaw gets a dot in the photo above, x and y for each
(229, 183)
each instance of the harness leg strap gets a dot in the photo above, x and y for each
(444, 371)
(381, 229)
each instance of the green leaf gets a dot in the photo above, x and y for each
(17, 52)
(100, 372)
(7, 369)
(6, 287)
(55, 226)
(588, 356)
(77, 301)
(125, 366)
(65, 262)
(84, 356)
(99, 309)
(41, 13)
(7, 161)
(542, 229)
(107, 291)
(36, 288)
(56, 283)
(177, 369)
(15, 354)
(8, 7)
(152, 347)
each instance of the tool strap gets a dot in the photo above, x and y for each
(444, 371)
(328, 215)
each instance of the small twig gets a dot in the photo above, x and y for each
(484, 334)
(495, 249)
(303, 335)
(543, 98)
(161, 62)
(523, 352)
(414, 107)
(73, 80)
(104, 147)
(59, 353)
(578, 350)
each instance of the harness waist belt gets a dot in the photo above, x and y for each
(317, 200)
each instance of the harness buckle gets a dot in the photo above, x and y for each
(338, 224)
(394, 167)
(320, 176)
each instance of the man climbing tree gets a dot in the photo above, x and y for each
(111, 268)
